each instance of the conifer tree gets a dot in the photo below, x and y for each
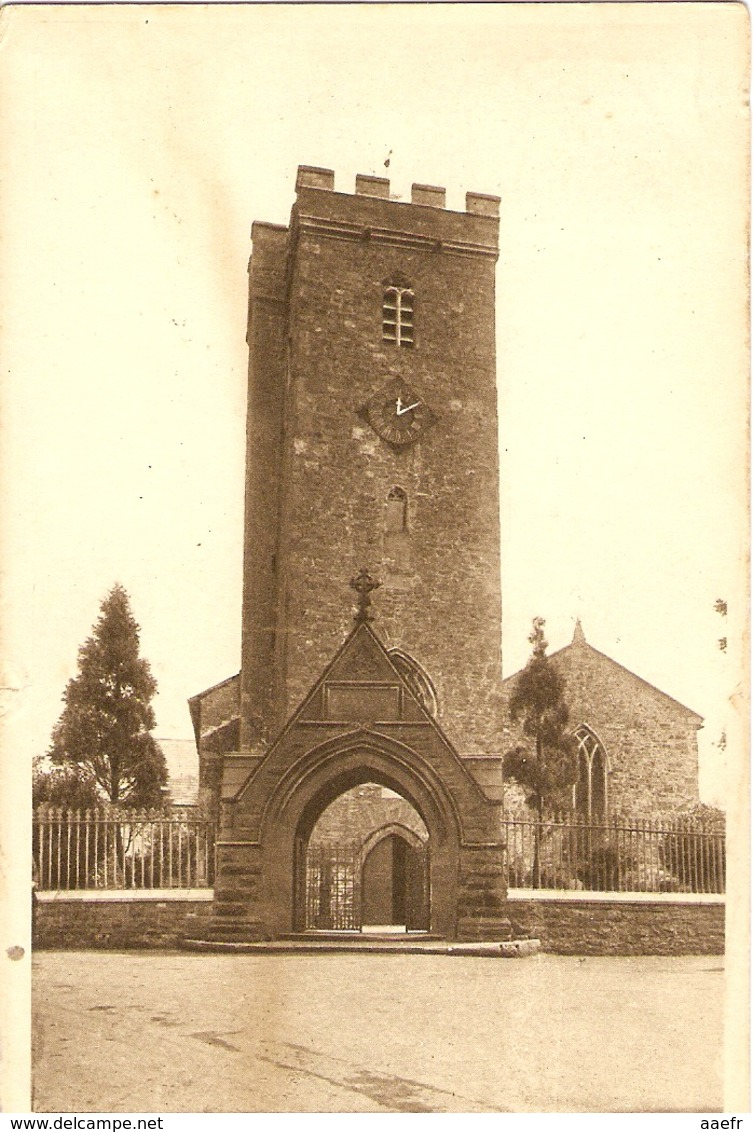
(105, 726)
(545, 766)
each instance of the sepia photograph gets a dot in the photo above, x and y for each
(375, 552)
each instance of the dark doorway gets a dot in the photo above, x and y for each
(394, 889)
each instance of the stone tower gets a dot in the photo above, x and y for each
(372, 441)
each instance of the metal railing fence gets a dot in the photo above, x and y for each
(140, 849)
(123, 849)
(680, 854)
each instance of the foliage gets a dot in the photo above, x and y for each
(104, 729)
(598, 867)
(69, 786)
(546, 767)
(695, 849)
(710, 817)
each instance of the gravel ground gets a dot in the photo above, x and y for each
(174, 1032)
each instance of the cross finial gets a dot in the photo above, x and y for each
(364, 584)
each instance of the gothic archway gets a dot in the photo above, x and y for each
(327, 772)
(394, 879)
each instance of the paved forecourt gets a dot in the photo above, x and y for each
(173, 1032)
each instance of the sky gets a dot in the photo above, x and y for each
(138, 145)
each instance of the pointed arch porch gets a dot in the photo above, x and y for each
(361, 722)
(326, 772)
(267, 826)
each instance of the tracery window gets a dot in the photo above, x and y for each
(590, 790)
(397, 315)
(417, 679)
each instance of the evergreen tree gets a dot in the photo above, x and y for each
(105, 726)
(546, 765)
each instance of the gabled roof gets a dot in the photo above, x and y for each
(579, 643)
(362, 660)
(182, 763)
(195, 702)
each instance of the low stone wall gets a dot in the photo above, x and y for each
(628, 924)
(118, 920)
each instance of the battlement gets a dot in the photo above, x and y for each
(368, 185)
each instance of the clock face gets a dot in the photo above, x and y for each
(397, 414)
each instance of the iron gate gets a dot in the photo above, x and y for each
(333, 888)
(333, 899)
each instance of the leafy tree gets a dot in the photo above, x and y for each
(545, 767)
(104, 729)
(69, 786)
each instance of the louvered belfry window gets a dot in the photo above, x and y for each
(397, 315)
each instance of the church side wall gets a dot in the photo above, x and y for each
(220, 704)
(650, 741)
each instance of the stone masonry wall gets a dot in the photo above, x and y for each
(218, 705)
(353, 816)
(441, 601)
(117, 924)
(572, 927)
(650, 740)
(585, 927)
(267, 342)
(444, 607)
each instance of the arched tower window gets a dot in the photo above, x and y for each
(590, 790)
(397, 314)
(397, 510)
(396, 534)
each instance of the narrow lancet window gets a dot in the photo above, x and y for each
(396, 534)
(590, 790)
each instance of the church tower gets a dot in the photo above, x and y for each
(373, 442)
(373, 453)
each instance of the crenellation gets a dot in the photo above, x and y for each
(430, 195)
(371, 186)
(313, 177)
(482, 204)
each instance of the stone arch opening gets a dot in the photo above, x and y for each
(366, 864)
(322, 776)
(370, 878)
(394, 880)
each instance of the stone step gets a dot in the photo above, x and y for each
(513, 949)
(228, 909)
(355, 936)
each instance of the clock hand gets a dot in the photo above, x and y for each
(399, 406)
(407, 408)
